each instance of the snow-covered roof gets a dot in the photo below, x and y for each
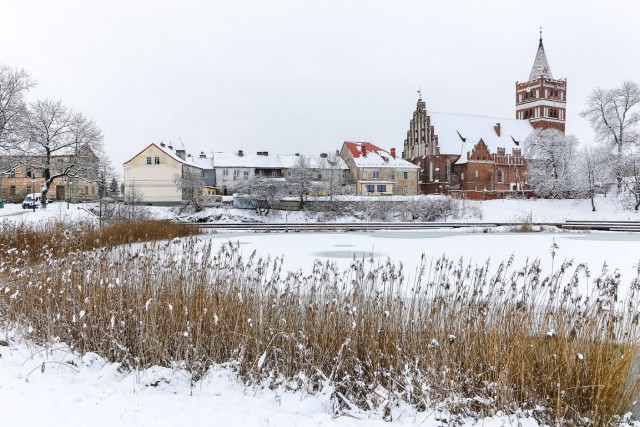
(540, 65)
(458, 133)
(268, 161)
(169, 152)
(365, 154)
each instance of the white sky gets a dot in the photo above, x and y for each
(295, 76)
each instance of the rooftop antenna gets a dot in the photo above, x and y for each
(420, 93)
(180, 138)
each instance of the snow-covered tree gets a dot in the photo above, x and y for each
(52, 129)
(300, 177)
(263, 192)
(14, 84)
(550, 162)
(614, 115)
(591, 171)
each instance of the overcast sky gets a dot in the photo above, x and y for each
(300, 76)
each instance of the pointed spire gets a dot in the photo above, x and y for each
(540, 64)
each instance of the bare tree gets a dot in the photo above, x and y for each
(191, 183)
(630, 171)
(51, 129)
(549, 155)
(592, 171)
(262, 192)
(14, 84)
(614, 115)
(299, 181)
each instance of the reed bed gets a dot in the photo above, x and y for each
(456, 339)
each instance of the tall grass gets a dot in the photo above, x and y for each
(456, 339)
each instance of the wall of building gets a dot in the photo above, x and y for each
(155, 183)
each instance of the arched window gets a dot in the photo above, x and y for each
(430, 171)
(476, 173)
(499, 176)
(447, 170)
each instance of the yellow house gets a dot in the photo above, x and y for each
(152, 176)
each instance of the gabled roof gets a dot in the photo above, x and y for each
(365, 154)
(540, 64)
(458, 133)
(188, 161)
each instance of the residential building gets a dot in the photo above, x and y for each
(152, 176)
(27, 176)
(379, 172)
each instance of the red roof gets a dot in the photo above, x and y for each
(356, 148)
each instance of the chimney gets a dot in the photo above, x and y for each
(240, 153)
(363, 149)
(170, 147)
(181, 153)
(161, 144)
(393, 152)
(497, 129)
(324, 155)
(202, 155)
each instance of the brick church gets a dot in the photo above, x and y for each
(480, 156)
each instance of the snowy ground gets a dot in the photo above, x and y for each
(43, 387)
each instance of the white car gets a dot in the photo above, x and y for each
(31, 201)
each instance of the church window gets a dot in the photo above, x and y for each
(462, 176)
(430, 171)
(447, 170)
(500, 177)
(476, 173)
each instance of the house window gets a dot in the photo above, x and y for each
(289, 173)
(371, 188)
(236, 174)
(375, 175)
(156, 160)
(246, 174)
(225, 172)
(382, 188)
(28, 189)
(274, 173)
(499, 176)
(344, 174)
(28, 174)
(148, 160)
(393, 189)
(405, 189)
(393, 175)
(12, 190)
(405, 175)
(12, 173)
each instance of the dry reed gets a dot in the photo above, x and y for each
(457, 338)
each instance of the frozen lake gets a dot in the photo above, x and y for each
(619, 250)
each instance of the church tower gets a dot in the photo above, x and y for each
(542, 99)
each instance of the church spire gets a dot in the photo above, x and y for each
(540, 64)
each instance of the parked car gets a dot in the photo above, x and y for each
(31, 201)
